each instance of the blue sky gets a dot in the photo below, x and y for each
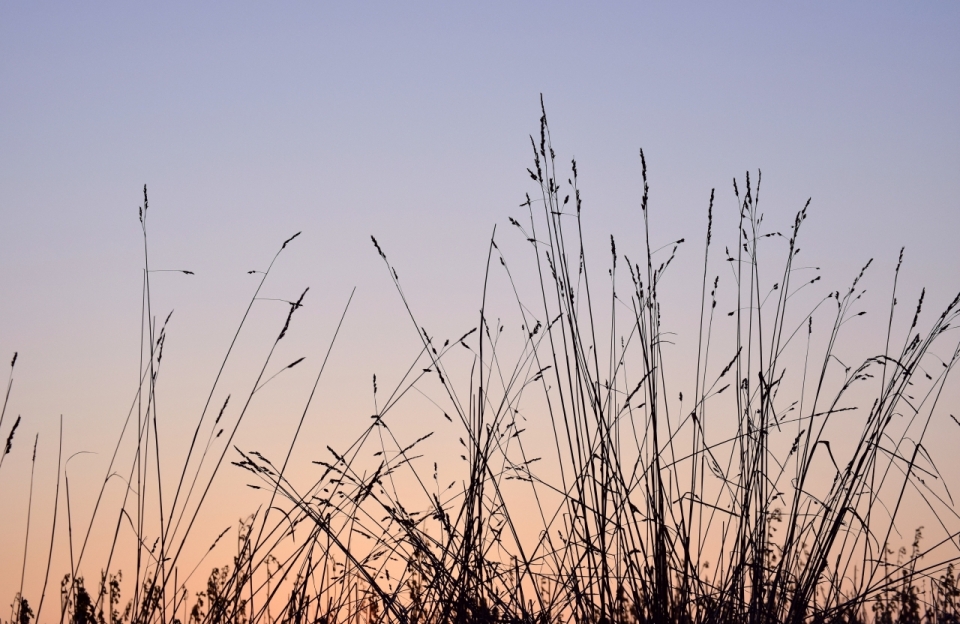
(250, 122)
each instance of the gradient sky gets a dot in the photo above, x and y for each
(409, 121)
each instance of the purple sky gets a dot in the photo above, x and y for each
(250, 122)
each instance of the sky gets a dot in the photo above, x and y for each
(411, 122)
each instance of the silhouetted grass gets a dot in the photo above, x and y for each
(736, 504)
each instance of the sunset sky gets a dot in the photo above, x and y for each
(250, 122)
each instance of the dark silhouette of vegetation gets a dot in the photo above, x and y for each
(590, 489)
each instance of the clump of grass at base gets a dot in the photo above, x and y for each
(735, 503)
(704, 511)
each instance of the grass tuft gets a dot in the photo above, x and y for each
(598, 481)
